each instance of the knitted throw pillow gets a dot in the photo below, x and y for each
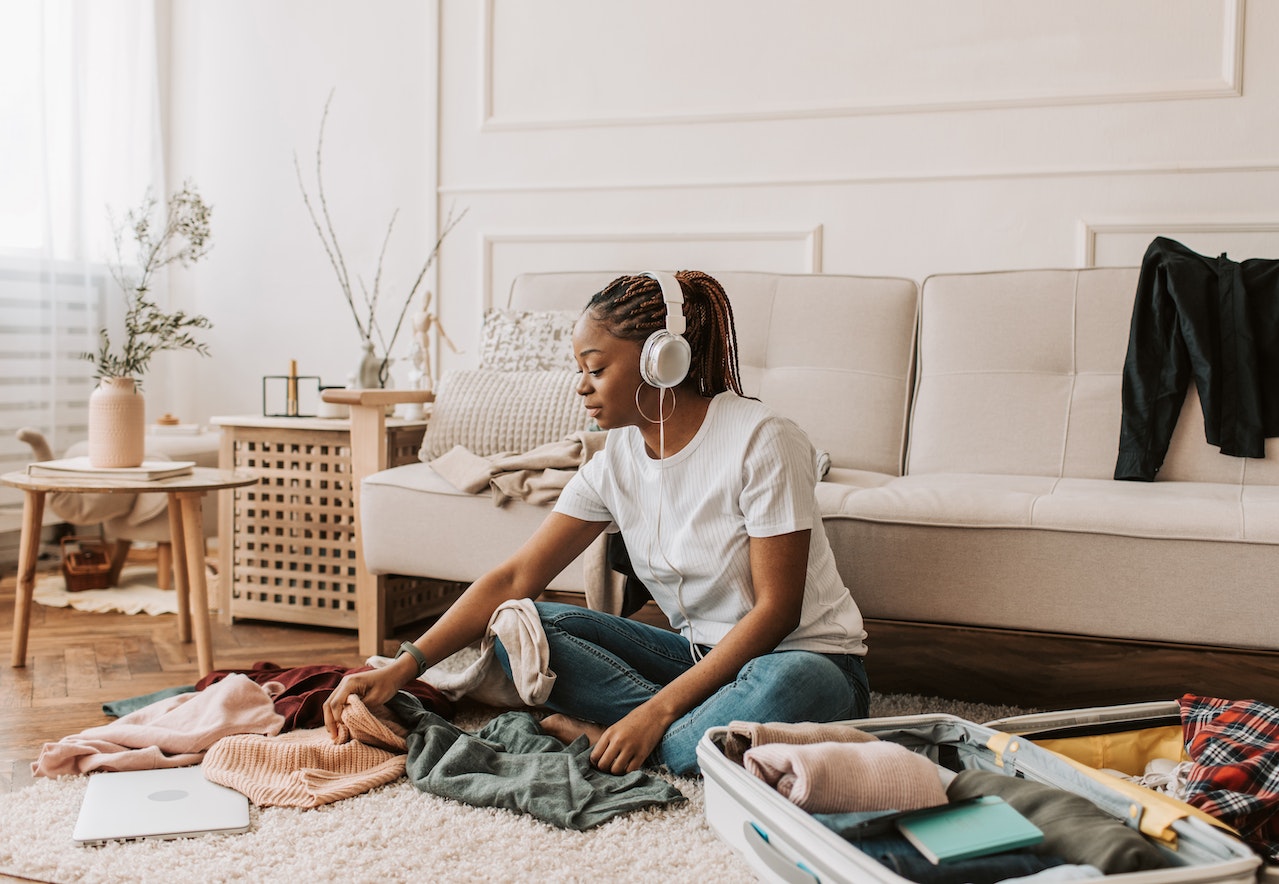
(495, 412)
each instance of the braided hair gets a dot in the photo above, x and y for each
(631, 308)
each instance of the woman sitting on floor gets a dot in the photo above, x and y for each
(714, 496)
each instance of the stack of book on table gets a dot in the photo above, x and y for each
(80, 468)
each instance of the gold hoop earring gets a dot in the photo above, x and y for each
(660, 417)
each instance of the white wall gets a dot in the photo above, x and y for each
(851, 137)
(825, 135)
(249, 82)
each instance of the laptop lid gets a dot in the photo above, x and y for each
(170, 802)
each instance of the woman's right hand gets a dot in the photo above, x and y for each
(374, 686)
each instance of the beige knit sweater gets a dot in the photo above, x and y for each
(306, 768)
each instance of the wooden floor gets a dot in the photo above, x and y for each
(77, 661)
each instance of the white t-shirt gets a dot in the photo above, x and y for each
(687, 522)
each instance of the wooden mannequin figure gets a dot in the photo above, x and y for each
(421, 377)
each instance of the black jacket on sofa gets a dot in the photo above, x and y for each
(1216, 320)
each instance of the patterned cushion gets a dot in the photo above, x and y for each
(527, 340)
(494, 412)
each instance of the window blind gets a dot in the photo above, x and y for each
(48, 317)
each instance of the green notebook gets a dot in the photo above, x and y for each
(965, 829)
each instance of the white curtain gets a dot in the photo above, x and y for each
(80, 141)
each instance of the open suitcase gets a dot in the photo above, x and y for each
(784, 843)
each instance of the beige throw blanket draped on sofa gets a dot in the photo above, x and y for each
(537, 476)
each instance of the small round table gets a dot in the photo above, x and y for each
(186, 528)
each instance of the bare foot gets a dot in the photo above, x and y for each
(566, 729)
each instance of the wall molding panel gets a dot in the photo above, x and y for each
(1101, 242)
(928, 137)
(1241, 167)
(954, 84)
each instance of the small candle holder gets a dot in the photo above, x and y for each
(290, 395)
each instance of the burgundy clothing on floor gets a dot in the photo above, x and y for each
(307, 687)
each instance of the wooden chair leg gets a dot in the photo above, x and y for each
(118, 555)
(164, 565)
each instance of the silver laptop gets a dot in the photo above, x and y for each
(171, 802)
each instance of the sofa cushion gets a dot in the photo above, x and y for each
(832, 353)
(527, 340)
(835, 489)
(496, 412)
(414, 522)
(1021, 373)
(1158, 510)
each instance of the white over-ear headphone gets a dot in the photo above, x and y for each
(666, 356)
(664, 363)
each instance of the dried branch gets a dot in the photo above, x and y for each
(377, 281)
(329, 241)
(449, 223)
(369, 327)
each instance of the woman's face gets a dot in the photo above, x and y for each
(610, 374)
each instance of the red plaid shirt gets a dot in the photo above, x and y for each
(1235, 749)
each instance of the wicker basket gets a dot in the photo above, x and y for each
(86, 563)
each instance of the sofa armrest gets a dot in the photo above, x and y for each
(368, 424)
(369, 456)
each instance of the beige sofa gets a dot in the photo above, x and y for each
(972, 426)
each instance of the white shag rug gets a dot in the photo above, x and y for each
(391, 834)
(397, 834)
(136, 593)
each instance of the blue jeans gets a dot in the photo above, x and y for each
(606, 666)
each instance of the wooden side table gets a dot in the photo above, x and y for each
(186, 523)
(290, 546)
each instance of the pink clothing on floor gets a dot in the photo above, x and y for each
(306, 768)
(173, 732)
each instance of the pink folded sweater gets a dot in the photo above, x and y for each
(743, 735)
(847, 777)
(173, 732)
(306, 768)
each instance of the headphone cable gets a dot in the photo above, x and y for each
(694, 651)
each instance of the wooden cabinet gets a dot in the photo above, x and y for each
(289, 546)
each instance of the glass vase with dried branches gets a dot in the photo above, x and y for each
(364, 309)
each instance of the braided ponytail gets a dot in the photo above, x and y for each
(631, 308)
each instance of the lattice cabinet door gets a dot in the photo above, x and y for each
(292, 550)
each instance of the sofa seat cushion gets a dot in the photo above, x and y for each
(416, 523)
(840, 484)
(1161, 510)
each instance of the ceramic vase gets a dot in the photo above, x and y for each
(117, 424)
(367, 373)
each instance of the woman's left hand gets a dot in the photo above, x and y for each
(626, 745)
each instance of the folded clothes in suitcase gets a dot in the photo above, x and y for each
(783, 842)
(1217, 755)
